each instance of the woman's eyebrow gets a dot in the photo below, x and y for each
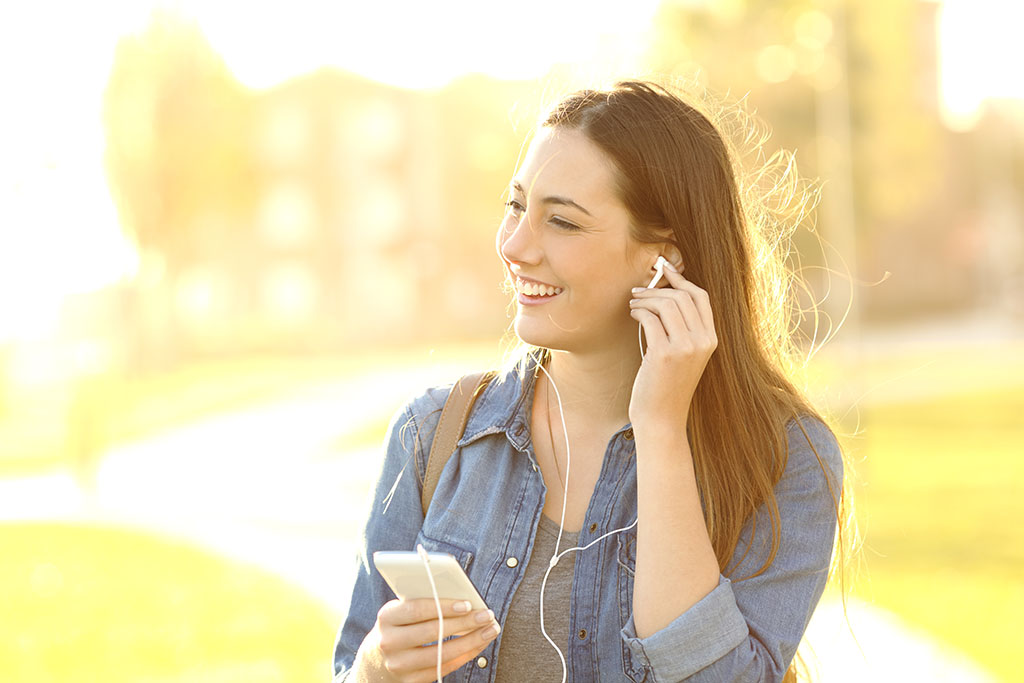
(564, 201)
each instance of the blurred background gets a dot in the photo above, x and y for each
(234, 238)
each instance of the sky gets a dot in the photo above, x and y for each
(981, 53)
(423, 44)
(58, 226)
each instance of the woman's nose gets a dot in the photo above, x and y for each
(515, 241)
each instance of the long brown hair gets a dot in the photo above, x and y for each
(679, 177)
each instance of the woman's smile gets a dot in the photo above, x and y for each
(566, 225)
(533, 292)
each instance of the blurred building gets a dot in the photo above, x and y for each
(318, 260)
(325, 213)
(333, 211)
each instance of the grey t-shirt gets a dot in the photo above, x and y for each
(524, 654)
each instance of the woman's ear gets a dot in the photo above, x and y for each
(672, 254)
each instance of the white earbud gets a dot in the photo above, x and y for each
(659, 270)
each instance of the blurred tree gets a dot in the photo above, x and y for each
(796, 62)
(899, 136)
(176, 128)
(177, 144)
(484, 123)
(755, 49)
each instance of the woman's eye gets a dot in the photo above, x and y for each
(514, 205)
(564, 224)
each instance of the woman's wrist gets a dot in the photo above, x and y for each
(368, 665)
(656, 431)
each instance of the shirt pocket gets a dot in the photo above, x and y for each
(431, 545)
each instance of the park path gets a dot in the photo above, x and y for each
(269, 486)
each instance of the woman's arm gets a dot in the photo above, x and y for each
(689, 622)
(749, 630)
(381, 637)
(392, 523)
(675, 562)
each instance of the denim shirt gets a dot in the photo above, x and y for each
(485, 512)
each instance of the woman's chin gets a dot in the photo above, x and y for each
(544, 336)
(530, 333)
(544, 333)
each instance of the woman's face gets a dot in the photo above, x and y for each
(566, 243)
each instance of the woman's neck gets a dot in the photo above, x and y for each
(595, 387)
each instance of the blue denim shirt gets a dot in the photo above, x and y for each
(485, 512)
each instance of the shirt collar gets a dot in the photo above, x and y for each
(505, 403)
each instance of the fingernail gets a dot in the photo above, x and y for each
(463, 606)
(633, 301)
(483, 616)
(671, 267)
(637, 290)
(491, 632)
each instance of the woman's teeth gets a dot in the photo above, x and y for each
(534, 289)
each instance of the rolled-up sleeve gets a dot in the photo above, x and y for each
(748, 628)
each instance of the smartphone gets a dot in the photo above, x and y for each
(407, 576)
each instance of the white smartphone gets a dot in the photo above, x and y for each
(406, 574)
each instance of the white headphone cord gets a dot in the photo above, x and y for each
(659, 268)
(561, 526)
(568, 457)
(437, 604)
(659, 272)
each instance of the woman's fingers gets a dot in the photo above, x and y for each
(416, 635)
(668, 313)
(420, 663)
(693, 302)
(402, 612)
(683, 300)
(409, 633)
(700, 298)
(652, 325)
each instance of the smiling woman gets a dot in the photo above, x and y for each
(665, 512)
(541, 248)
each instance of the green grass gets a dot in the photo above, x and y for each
(939, 494)
(95, 604)
(940, 500)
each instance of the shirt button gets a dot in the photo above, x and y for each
(481, 662)
(582, 634)
(511, 562)
(593, 527)
(628, 434)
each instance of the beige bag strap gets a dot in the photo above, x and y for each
(449, 429)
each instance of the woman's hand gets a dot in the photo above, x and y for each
(681, 337)
(396, 648)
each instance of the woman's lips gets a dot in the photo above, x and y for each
(528, 300)
(533, 292)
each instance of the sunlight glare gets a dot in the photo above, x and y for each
(59, 231)
(981, 53)
(421, 45)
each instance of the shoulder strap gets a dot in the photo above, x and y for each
(449, 429)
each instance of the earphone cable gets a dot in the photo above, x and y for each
(659, 272)
(437, 604)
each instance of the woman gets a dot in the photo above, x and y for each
(718, 482)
